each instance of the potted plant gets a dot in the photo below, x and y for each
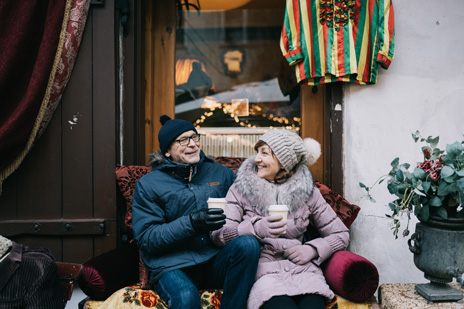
(434, 188)
(434, 192)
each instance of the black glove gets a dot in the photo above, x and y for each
(206, 220)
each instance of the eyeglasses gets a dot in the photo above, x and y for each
(184, 141)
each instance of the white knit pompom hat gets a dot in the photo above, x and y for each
(290, 149)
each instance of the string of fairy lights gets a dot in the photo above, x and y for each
(229, 109)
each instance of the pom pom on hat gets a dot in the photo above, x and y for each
(290, 149)
(171, 129)
(164, 118)
(313, 149)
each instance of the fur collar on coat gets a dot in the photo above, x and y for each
(185, 171)
(261, 193)
(157, 159)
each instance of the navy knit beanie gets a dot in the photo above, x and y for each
(171, 129)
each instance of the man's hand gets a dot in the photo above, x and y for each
(270, 226)
(300, 254)
(207, 220)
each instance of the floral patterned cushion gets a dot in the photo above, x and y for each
(135, 297)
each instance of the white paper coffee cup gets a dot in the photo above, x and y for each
(279, 210)
(217, 203)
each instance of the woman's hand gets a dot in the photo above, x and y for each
(300, 254)
(271, 226)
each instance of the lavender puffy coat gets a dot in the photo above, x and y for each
(247, 202)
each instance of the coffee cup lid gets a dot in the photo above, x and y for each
(216, 200)
(278, 207)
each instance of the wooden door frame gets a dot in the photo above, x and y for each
(321, 119)
(334, 137)
(131, 111)
(160, 42)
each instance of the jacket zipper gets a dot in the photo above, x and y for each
(191, 172)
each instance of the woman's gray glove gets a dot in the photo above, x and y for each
(300, 254)
(270, 226)
(207, 220)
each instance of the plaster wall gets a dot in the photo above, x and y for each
(422, 90)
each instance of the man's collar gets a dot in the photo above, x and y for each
(10, 264)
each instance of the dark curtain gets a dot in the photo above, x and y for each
(39, 40)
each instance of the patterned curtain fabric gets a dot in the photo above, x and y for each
(39, 41)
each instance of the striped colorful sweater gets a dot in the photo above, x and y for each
(338, 40)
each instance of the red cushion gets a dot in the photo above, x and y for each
(102, 275)
(231, 162)
(126, 177)
(351, 276)
(346, 211)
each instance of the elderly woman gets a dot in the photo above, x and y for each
(289, 273)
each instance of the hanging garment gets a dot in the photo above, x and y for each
(338, 40)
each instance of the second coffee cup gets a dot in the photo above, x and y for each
(217, 203)
(279, 210)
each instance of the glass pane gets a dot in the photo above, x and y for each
(231, 75)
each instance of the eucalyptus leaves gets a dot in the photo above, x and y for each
(434, 188)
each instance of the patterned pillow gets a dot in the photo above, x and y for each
(126, 177)
(231, 162)
(346, 211)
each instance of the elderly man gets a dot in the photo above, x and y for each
(172, 222)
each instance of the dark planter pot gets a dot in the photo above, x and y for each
(438, 247)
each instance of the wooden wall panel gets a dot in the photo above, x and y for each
(104, 124)
(149, 76)
(313, 102)
(77, 249)
(133, 108)
(54, 244)
(8, 198)
(76, 124)
(77, 132)
(39, 190)
(159, 63)
(38, 193)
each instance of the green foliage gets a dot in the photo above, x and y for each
(427, 190)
